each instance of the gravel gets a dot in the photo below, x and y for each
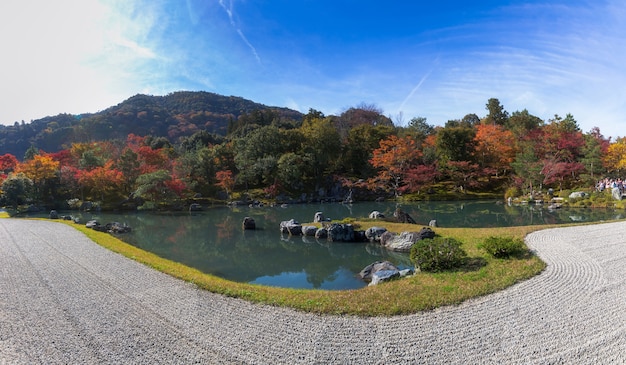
(66, 300)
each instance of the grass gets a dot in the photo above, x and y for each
(481, 275)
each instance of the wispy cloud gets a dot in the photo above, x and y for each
(229, 11)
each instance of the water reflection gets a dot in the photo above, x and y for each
(213, 241)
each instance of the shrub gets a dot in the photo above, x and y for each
(512, 192)
(437, 254)
(503, 246)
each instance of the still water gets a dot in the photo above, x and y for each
(214, 242)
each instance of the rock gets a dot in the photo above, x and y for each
(195, 207)
(116, 227)
(384, 275)
(359, 236)
(319, 217)
(309, 231)
(367, 273)
(54, 214)
(578, 195)
(433, 223)
(249, 223)
(340, 232)
(92, 223)
(321, 233)
(291, 227)
(376, 215)
(426, 232)
(386, 237)
(403, 217)
(404, 241)
(373, 233)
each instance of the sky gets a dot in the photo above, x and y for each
(435, 59)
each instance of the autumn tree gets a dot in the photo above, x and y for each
(615, 158)
(42, 170)
(225, 180)
(103, 183)
(495, 147)
(393, 160)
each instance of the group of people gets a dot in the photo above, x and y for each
(608, 183)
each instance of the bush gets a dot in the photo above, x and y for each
(512, 192)
(437, 254)
(503, 246)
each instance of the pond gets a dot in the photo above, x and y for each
(214, 242)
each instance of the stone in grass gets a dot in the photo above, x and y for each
(368, 272)
(384, 275)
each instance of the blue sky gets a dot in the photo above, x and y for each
(434, 59)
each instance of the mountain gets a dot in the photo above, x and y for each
(172, 116)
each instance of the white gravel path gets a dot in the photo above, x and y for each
(66, 300)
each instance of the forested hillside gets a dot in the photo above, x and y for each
(168, 150)
(172, 116)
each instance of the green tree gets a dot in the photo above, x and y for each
(17, 189)
(497, 114)
(456, 142)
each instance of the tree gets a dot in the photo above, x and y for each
(8, 162)
(520, 123)
(615, 158)
(103, 182)
(527, 167)
(497, 114)
(17, 189)
(456, 142)
(495, 147)
(39, 168)
(154, 186)
(592, 153)
(31, 152)
(225, 180)
(394, 159)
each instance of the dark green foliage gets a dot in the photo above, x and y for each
(437, 254)
(502, 247)
(170, 117)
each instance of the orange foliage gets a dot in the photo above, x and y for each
(495, 146)
(40, 168)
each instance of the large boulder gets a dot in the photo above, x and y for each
(340, 232)
(404, 241)
(54, 214)
(373, 233)
(291, 227)
(248, 223)
(384, 275)
(384, 238)
(368, 272)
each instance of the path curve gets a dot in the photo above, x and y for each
(64, 299)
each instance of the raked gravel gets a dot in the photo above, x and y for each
(66, 300)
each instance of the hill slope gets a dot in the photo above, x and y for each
(174, 115)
